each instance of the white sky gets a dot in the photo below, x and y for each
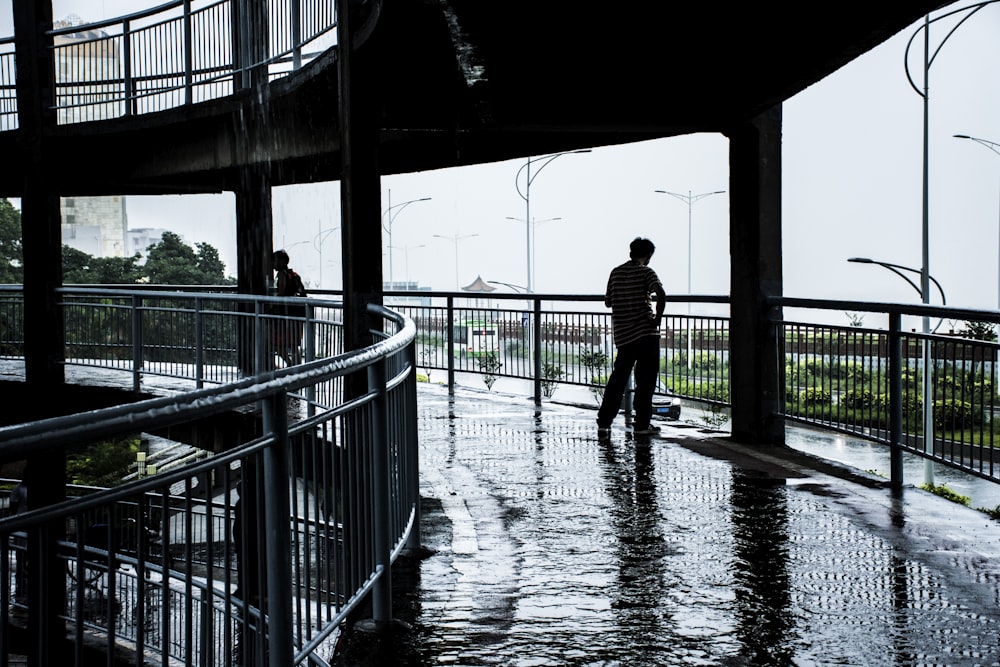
(852, 187)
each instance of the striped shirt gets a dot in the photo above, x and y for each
(630, 287)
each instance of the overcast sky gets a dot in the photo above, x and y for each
(852, 187)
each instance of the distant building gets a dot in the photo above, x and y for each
(97, 226)
(138, 240)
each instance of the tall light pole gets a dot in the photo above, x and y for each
(690, 199)
(533, 253)
(406, 258)
(923, 89)
(389, 216)
(897, 269)
(928, 384)
(995, 147)
(517, 288)
(318, 244)
(526, 196)
(455, 238)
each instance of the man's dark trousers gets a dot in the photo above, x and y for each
(644, 355)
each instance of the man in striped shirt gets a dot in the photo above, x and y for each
(631, 286)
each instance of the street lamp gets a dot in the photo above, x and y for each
(517, 288)
(317, 243)
(690, 200)
(895, 268)
(389, 216)
(455, 238)
(995, 147)
(526, 196)
(533, 253)
(406, 259)
(318, 240)
(928, 384)
(924, 92)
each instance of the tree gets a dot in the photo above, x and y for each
(978, 331)
(11, 256)
(82, 268)
(173, 262)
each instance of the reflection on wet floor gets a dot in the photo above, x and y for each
(554, 548)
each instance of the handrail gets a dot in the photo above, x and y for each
(853, 379)
(328, 448)
(173, 54)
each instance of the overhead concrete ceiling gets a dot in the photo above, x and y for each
(469, 81)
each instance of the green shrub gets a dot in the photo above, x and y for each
(815, 396)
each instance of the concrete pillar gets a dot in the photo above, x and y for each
(253, 249)
(755, 249)
(41, 232)
(360, 184)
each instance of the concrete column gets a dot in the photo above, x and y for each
(755, 249)
(360, 184)
(253, 249)
(41, 233)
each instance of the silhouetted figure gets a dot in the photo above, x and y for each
(631, 287)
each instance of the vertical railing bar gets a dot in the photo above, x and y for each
(450, 343)
(895, 402)
(136, 340)
(381, 539)
(199, 337)
(537, 375)
(188, 56)
(278, 548)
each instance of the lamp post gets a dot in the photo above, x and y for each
(690, 200)
(533, 253)
(517, 288)
(526, 196)
(924, 91)
(928, 384)
(317, 243)
(318, 240)
(406, 258)
(455, 238)
(995, 147)
(389, 216)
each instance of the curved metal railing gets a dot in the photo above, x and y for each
(318, 457)
(178, 53)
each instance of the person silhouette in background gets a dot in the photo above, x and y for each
(637, 336)
(287, 328)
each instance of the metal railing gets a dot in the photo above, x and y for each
(261, 549)
(177, 53)
(180, 527)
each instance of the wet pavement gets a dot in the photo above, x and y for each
(551, 547)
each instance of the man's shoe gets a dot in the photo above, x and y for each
(647, 430)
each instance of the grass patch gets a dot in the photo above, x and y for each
(946, 493)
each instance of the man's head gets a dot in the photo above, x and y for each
(641, 248)
(280, 259)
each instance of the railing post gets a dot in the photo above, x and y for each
(296, 34)
(450, 342)
(199, 337)
(538, 349)
(278, 547)
(410, 446)
(310, 355)
(188, 56)
(895, 401)
(131, 104)
(382, 540)
(136, 340)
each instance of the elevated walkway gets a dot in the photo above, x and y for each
(552, 547)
